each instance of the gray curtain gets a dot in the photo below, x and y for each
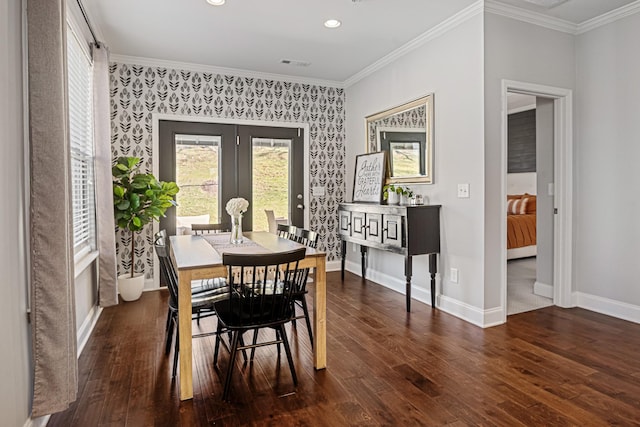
(107, 269)
(55, 358)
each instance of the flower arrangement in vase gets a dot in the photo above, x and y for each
(235, 208)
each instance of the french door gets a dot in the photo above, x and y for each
(215, 162)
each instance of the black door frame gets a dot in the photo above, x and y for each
(168, 127)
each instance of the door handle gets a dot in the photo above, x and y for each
(300, 206)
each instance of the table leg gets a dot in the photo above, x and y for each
(184, 326)
(363, 260)
(344, 256)
(408, 272)
(320, 315)
(433, 268)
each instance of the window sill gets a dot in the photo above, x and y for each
(83, 262)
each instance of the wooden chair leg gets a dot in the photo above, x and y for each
(169, 332)
(306, 317)
(254, 342)
(232, 361)
(176, 351)
(287, 350)
(217, 346)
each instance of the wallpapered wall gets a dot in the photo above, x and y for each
(139, 91)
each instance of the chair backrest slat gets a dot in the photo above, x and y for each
(261, 293)
(287, 231)
(161, 246)
(209, 228)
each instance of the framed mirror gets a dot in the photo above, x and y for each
(405, 132)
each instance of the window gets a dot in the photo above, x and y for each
(80, 72)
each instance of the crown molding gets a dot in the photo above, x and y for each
(609, 17)
(446, 25)
(530, 17)
(152, 62)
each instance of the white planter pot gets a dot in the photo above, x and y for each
(130, 288)
(393, 198)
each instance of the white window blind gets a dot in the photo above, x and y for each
(81, 138)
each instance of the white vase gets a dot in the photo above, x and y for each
(130, 288)
(393, 198)
(236, 230)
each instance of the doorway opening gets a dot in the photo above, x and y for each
(529, 208)
(550, 191)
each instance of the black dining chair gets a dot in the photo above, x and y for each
(259, 295)
(200, 229)
(203, 296)
(287, 231)
(308, 238)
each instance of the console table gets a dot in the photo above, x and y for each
(405, 230)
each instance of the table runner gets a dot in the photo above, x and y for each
(220, 243)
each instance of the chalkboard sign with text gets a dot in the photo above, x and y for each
(369, 177)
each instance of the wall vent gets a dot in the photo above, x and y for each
(548, 4)
(295, 62)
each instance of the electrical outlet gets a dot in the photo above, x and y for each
(463, 191)
(453, 275)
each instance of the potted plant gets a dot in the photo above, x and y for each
(392, 193)
(138, 199)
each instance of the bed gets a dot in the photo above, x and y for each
(521, 226)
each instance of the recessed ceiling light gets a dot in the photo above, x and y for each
(216, 2)
(332, 23)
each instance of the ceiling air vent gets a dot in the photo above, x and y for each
(295, 62)
(548, 4)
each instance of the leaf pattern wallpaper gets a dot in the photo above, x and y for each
(137, 92)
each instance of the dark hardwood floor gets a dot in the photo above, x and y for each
(385, 367)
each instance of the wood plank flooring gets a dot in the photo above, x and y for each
(385, 367)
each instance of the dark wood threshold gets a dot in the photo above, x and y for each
(385, 367)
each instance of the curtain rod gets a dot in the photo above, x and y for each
(86, 19)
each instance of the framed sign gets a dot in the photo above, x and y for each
(369, 177)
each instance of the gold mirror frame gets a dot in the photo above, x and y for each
(413, 118)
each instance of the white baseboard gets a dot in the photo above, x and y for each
(618, 309)
(37, 422)
(334, 265)
(470, 313)
(543, 289)
(391, 282)
(87, 327)
(464, 311)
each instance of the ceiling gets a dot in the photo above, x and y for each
(255, 35)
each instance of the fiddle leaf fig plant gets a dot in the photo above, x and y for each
(138, 198)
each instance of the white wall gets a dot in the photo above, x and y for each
(544, 175)
(519, 51)
(451, 67)
(14, 334)
(520, 183)
(607, 230)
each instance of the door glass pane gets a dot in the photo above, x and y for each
(405, 158)
(197, 175)
(270, 179)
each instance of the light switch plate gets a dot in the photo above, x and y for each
(453, 275)
(463, 191)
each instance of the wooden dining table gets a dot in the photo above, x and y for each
(195, 258)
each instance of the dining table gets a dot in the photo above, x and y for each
(200, 257)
